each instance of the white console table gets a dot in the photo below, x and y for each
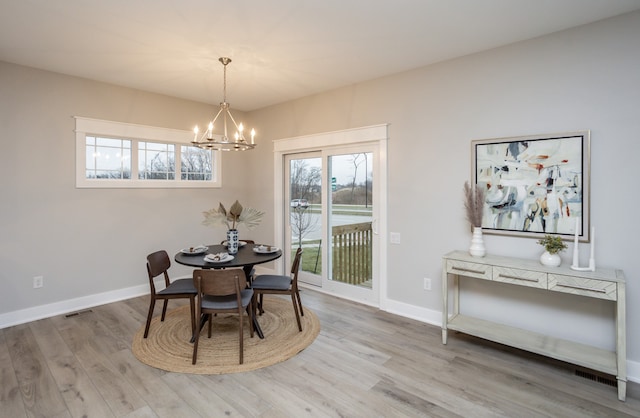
(607, 284)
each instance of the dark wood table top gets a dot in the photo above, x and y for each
(245, 257)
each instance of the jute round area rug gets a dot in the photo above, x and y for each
(168, 348)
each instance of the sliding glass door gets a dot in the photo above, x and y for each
(331, 213)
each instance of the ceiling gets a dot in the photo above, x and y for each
(281, 49)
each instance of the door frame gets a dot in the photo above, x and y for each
(376, 135)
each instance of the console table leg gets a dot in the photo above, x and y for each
(622, 390)
(444, 336)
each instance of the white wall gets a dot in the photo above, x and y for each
(90, 241)
(584, 78)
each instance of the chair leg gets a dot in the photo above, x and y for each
(261, 303)
(299, 302)
(241, 335)
(295, 308)
(210, 324)
(254, 302)
(152, 305)
(164, 309)
(250, 313)
(195, 346)
(192, 305)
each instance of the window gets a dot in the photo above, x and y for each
(113, 154)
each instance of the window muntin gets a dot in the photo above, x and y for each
(121, 155)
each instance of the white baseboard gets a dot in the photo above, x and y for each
(22, 316)
(414, 312)
(395, 307)
(633, 371)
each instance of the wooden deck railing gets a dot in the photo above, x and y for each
(352, 253)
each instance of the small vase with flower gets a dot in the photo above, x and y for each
(553, 246)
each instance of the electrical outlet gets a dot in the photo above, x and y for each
(427, 284)
(38, 282)
(394, 237)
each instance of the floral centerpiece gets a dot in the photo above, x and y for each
(236, 216)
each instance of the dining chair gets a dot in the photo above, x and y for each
(158, 263)
(280, 285)
(222, 291)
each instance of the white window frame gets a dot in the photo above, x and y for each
(110, 129)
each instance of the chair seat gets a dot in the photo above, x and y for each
(227, 302)
(179, 286)
(271, 281)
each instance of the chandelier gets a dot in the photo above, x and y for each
(207, 139)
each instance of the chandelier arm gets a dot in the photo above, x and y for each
(217, 114)
(236, 125)
(226, 112)
(213, 122)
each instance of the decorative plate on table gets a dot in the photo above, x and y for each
(218, 258)
(200, 249)
(265, 249)
(240, 243)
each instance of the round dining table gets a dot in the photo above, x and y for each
(246, 257)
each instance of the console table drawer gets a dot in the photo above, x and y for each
(464, 268)
(520, 277)
(580, 286)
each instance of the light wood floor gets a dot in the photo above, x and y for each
(364, 363)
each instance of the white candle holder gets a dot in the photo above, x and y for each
(592, 261)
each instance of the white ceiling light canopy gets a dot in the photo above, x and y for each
(210, 141)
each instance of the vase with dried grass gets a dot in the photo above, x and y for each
(473, 205)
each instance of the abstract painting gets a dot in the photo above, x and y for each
(534, 185)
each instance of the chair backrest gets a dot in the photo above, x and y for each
(295, 266)
(157, 264)
(219, 282)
